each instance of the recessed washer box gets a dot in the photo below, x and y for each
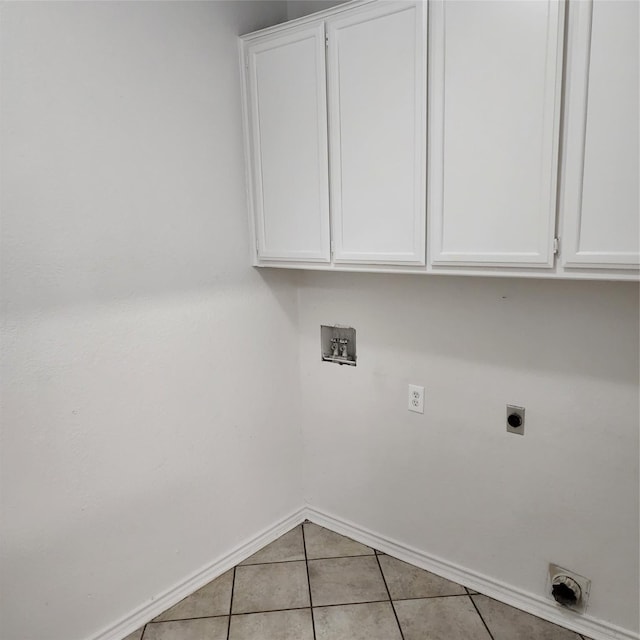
(338, 344)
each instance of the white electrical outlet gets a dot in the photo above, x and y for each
(416, 398)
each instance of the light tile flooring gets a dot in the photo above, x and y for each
(314, 584)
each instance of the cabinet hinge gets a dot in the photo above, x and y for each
(556, 246)
(326, 40)
(332, 247)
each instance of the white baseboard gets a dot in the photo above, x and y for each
(149, 610)
(529, 602)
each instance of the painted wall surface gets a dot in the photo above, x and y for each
(147, 417)
(299, 8)
(452, 482)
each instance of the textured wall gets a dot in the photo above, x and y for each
(147, 418)
(149, 375)
(299, 8)
(452, 482)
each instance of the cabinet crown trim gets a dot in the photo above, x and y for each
(305, 20)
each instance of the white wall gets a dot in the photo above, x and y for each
(147, 419)
(148, 423)
(299, 8)
(452, 482)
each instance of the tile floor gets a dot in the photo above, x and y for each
(314, 584)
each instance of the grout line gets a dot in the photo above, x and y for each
(347, 604)
(450, 595)
(386, 586)
(306, 564)
(221, 615)
(318, 606)
(144, 629)
(233, 586)
(254, 613)
(257, 564)
(357, 555)
(368, 555)
(481, 618)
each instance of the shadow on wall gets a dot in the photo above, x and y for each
(299, 8)
(123, 169)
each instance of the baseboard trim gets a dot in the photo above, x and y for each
(531, 603)
(149, 610)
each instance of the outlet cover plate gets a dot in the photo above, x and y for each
(416, 398)
(519, 411)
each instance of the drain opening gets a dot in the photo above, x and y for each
(566, 591)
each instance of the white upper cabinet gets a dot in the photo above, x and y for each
(377, 140)
(600, 190)
(494, 92)
(287, 136)
(349, 170)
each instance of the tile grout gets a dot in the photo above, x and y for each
(233, 586)
(348, 604)
(364, 555)
(258, 564)
(311, 607)
(222, 615)
(448, 595)
(386, 586)
(306, 564)
(318, 606)
(486, 626)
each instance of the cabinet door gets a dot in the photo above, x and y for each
(600, 191)
(286, 105)
(495, 83)
(377, 120)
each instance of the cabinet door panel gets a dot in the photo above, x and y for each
(495, 72)
(377, 124)
(288, 136)
(600, 194)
